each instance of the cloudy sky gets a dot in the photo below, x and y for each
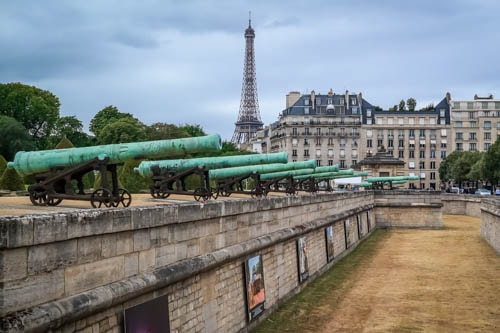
(181, 62)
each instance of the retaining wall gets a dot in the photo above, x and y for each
(490, 222)
(79, 271)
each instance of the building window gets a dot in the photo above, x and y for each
(306, 101)
(432, 154)
(459, 136)
(330, 141)
(459, 147)
(330, 152)
(433, 165)
(412, 133)
(379, 143)
(472, 115)
(443, 132)
(443, 153)
(306, 152)
(390, 143)
(401, 133)
(318, 131)
(401, 154)
(318, 163)
(473, 124)
(487, 125)
(422, 154)
(433, 175)
(498, 124)
(421, 121)
(472, 136)
(294, 131)
(412, 154)
(306, 142)
(443, 144)
(342, 164)
(401, 143)
(307, 130)
(421, 164)
(400, 121)
(318, 141)
(411, 121)
(487, 146)
(294, 152)
(369, 143)
(354, 162)
(330, 162)
(458, 124)
(318, 152)
(472, 146)
(422, 133)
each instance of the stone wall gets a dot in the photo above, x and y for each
(408, 209)
(79, 271)
(461, 204)
(490, 222)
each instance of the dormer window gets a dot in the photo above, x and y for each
(353, 101)
(306, 101)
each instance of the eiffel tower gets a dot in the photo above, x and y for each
(249, 121)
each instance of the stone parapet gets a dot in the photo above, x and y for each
(490, 222)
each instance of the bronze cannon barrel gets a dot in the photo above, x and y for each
(263, 168)
(33, 162)
(144, 168)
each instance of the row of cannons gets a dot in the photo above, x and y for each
(58, 173)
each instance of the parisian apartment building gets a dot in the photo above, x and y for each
(344, 128)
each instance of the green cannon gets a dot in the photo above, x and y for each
(264, 168)
(379, 182)
(57, 172)
(235, 180)
(33, 162)
(145, 167)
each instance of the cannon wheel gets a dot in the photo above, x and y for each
(38, 195)
(200, 194)
(156, 192)
(54, 201)
(215, 193)
(101, 196)
(125, 197)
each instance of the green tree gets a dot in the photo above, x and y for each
(446, 167)
(3, 164)
(130, 180)
(122, 131)
(412, 104)
(491, 169)
(11, 180)
(402, 105)
(163, 131)
(192, 130)
(72, 129)
(36, 109)
(14, 136)
(106, 116)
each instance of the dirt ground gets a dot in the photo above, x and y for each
(424, 281)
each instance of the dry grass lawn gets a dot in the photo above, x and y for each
(408, 281)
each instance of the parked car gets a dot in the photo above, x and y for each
(483, 191)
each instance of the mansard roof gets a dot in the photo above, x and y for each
(328, 104)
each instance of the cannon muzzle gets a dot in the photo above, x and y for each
(264, 168)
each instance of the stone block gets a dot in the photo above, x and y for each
(131, 264)
(13, 264)
(48, 257)
(16, 231)
(147, 260)
(31, 291)
(89, 249)
(91, 275)
(124, 242)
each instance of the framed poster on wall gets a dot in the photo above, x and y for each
(347, 233)
(329, 243)
(255, 291)
(302, 259)
(150, 316)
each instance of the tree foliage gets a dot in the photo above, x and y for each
(461, 166)
(3, 164)
(192, 130)
(36, 109)
(14, 136)
(71, 128)
(122, 131)
(106, 116)
(164, 131)
(412, 104)
(491, 165)
(131, 180)
(11, 180)
(402, 105)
